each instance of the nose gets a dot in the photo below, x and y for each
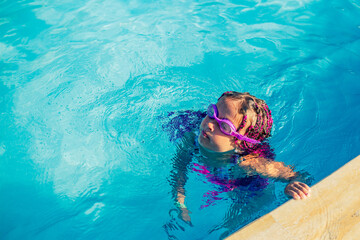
(210, 124)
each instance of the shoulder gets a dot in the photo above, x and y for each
(255, 161)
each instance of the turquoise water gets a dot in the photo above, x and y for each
(83, 83)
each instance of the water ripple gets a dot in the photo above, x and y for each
(87, 81)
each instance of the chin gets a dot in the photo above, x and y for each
(202, 140)
(210, 149)
(204, 144)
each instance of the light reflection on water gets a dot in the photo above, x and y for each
(83, 85)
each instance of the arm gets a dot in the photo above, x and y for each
(278, 170)
(179, 177)
(267, 167)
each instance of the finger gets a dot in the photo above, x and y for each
(187, 220)
(301, 194)
(303, 188)
(293, 194)
(308, 190)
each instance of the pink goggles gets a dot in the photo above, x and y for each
(226, 126)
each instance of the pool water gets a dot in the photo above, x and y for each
(86, 86)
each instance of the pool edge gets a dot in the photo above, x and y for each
(332, 212)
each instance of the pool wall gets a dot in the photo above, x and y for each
(332, 212)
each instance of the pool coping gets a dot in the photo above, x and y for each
(332, 212)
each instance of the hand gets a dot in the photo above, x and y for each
(297, 190)
(184, 215)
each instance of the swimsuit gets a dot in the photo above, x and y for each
(225, 181)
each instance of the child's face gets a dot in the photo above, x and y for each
(211, 137)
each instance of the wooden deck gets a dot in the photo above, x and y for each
(332, 212)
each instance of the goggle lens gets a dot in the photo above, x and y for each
(225, 127)
(210, 111)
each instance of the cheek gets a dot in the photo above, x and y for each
(203, 122)
(223, 140)
(224, 145)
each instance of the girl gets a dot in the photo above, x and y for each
(232, 139)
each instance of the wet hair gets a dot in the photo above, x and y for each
(250, 105)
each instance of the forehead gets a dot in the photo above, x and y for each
(229, 108)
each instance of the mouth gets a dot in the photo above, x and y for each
(204, 134)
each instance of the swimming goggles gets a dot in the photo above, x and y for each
(226, 126)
